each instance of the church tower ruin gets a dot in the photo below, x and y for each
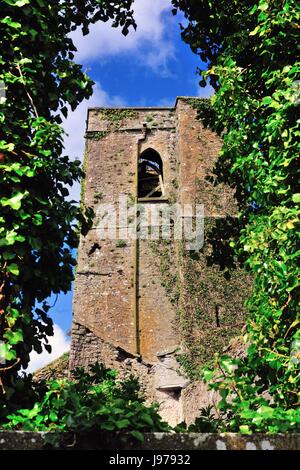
(130, 292)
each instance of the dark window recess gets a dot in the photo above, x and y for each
(150, 176)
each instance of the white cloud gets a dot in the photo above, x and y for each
(60, 344)
(149, 43)
(75, 124)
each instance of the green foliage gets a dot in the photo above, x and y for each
(114, 121)
(207, 421)
(116, 116)
(164, 251)
(215, 288)
(39, 227)
(210, 292)
(22, 393)
(96, 135)
(121, 243)
(247, 405)
(92, 402)
(253, 64)
(98, 196)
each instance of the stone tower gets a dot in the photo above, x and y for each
(125, 315)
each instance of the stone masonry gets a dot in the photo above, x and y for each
(123, 315)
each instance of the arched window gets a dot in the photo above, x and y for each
(150, 176)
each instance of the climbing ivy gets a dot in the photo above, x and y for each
(115, 118)
(92, 402)
(95, 135)
(38, 225)
(253, 64)
(206, 288)
(116, 115)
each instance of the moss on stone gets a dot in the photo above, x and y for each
(58, 369)
(121, 243)
(164, 251)
(96, 135)
(209, 288)
(196, 103)
(116, 116)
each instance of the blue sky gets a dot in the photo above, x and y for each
(149, 67)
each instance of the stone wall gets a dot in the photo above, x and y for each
(133, 305)
(18, 440)
(159, 381)
(104, 290)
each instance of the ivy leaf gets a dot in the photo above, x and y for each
(14, 337)
(244, 429)
(123, 423)
(228, 364)
(13, 24)
(17, 3)
(266, 411)
(296, 198)
(207, 375)
(13, 269)
(263, 6)
(138, 435)
(53, 416)
(12, 316)
(10, 238)
(15, 201)
(9, 255)
(255, 31)
(6, 352)
(267, 100)
(146, 418)
(4, 146)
